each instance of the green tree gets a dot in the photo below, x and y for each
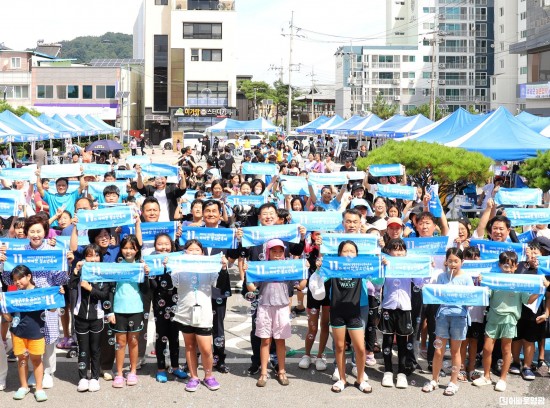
(19, 111)
(280, 99)
(255, 91)
(382, 109)
(537, 170)
(425, 110)
(453, 168)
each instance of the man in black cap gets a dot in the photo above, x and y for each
(358, 191)
(348, 165)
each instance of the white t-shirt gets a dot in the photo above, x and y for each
(164, 214)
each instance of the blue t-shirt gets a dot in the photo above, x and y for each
(333, 205)
(57, 200)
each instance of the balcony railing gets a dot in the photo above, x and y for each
(452, 49)
(457, 33)
(481, 82)
(481, 67)
(386, 65)
(455, 98)
(461, 82)
(451, 16)
(456, 65)
(385, 81)
(222, 5)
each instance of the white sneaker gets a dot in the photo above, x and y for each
(305, 362)
(321, 364)
(354, 372)
(401, 381)
(83, 385)
(2, 387)
(387, 380)
(31, 382)
(336, 375)
(500, 386)
(94, 385)
(47, 382)
(239, 284)
(107, 376)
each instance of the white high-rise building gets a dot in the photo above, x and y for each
(190, 78)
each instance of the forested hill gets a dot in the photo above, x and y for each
(109, 45)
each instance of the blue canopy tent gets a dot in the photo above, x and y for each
(9, 133)
(27, 132)
(403, 126)
(83, 124)
(323, 128)
(533, 122)
(58, 125)
(378, 128)
(68, 122)
(366, 123)
(311, 127)
(102, 124)
(342, 128)
(448, 128)
(54, 133)
(501, 136)
(242, 126)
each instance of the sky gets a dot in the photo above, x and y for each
(322, 26)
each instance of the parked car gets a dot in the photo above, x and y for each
(190, 139)
(254, 140)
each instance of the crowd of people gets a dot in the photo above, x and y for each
(106, 320)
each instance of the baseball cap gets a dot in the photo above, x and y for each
(317, 286)
(543, 242)
(272, 244)
(380, 225)
(395, 220)
(360, 202)
(356, 186)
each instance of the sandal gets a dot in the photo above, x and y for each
(462, 377)
(474, 375)
(338, 386)
(363, 387)
(451, 389)
(262, 381)
(430, 386)
(282, 378)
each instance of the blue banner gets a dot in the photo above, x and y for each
(317, 220)
(14, 243)
(95, 188)
(294, 185)
(528, 216)
(184, 263)
(113, 272)
(362, 266)
(95, 169)
(458, 295)
(356, 175)
(44, 261)
(160, 170)
(26, 173)
(526, 237)
(492, 249)
(366, 243)
(210, 237)
(253, 236)
(132, 160)
(544, 263)
(31, 300)
(435, 204)
(513, 283)
(379, 170)
(255, 200)
(55, 171)
(277, 271)
(427, 246)
(328, 179)
(397, 191)
(106, 217)
(9, 205)
(407, 267)
(518, 196)
(149, 230)
(125, 174)
(476, 267)
(265, 169)
(155, 262)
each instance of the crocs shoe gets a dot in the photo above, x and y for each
(211, 384)
(40, 396)
(118, 382)
(162, 377)
(131, 379)
(178, 372)
(192, 385)
(21, 393)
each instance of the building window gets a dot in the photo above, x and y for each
(15, 63)
(400, 18)
(207, 93)
(61, 91)
(72, 91)
(16, 92)
(428, 75)
(161, 2)
(427, 58)
(204, 5)
(523, 15)
(501, 10)
(428, 26)
(501, 28)
(87, 91)
(409, 58)
(160, 74)
(523, 34)
(523, 70)
(502, 63)
(399, 33)
(194, 54)
(409, 75)
(211, 55)
(209, 31)
(428, 9)
(494, 80)
(494, 96)
(104, 91)
(44, 91)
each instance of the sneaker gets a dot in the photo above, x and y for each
(305, 362)
(21, 393)
(47, 381)
(239, 284)
(131, 379)
(11, 357)
(321, 364)
(162, 377)
(299, 311)
(515, 368)
(211, 384)
(40, 396)
(179, 373)
(83, 385)
(481, 381)
(2, 387)
(540, 363)
(107, 376)
(118, 382)
(401, 381)
(370, 360)
(500, 386)
(424, 354)
(387, 380)
(141, 362)
(527, 374)
(93, 385)
(192, 385)
(336, 375)
(253, 369)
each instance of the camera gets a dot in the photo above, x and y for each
(246, 215)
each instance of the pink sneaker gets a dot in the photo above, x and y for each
(118, 382)
(370, 360)
(131, 379)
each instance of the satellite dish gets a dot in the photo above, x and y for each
(221, 6)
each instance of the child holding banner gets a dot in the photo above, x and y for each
(27, 329)
(502, 319)
(127, 320)
(451, 323)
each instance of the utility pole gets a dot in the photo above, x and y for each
(289, 112)
(279, 68)
(312, 75)
(432, 90)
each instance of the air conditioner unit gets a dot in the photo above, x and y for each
(441, 16)
(395, 82)
(441, 82)
(397, 98)
(365, 64)
(441, 66)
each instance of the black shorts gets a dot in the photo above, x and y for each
(530, 331)
(396, 321)
(317, 304)
(67, 296)
(128, 322)
(476, 331)
(342, 320)
(82, 326)
(199, 331)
